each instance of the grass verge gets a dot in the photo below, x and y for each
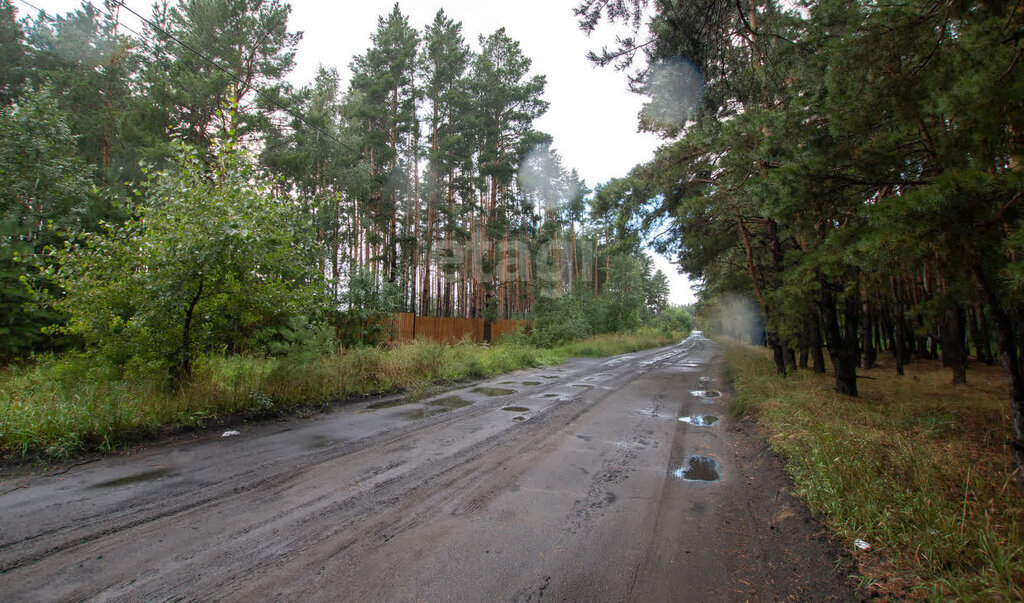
(915, 467)
(62, 406)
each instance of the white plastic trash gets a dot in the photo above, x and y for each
(229, 433)
(860, 544)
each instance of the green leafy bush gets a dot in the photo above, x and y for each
(209, 259)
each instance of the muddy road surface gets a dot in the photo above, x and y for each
(599, 480)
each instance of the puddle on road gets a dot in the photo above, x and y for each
(145, 476)
(531, 383)
(518, 418)
(507, 383)
(551, 376)
(319, 441)
(516, 409)
(389, 404)
(424, 413)
(698, 468)
(450, 402)
(494, 391)
(706, 393)
(550, 396)
(581, 385)
(700, 420)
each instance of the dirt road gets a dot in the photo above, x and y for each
(579, 482)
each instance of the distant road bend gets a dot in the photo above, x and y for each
(588, 482)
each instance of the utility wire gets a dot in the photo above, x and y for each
(208, 60)
(230, 74)
(43, 15)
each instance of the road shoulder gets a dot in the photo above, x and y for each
(789, 552)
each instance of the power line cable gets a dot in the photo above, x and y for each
(231, 74)
(208, 60)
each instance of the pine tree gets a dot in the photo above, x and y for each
(13, 53)
(443, 65)
(92, 68)
(383, 96)
(318, 161)
(508, 101)
(201, 54)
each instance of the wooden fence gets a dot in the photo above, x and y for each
(408, 326)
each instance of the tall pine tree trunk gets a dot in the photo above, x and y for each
(842, 347)
(817, 354)
(954, 346)
(1006, 342)
(869, 353)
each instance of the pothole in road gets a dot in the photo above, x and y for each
(145, 476)
(423, 413)
(531, 382)
(551, 377)
(582, 385)
(494, 391)
(389, 403)
(698, 468)
(450, 402)
(516, 409)
(700, 420)
(318, 441)
(550, 396)
(706, 393)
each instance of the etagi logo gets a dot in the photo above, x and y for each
(501, 261)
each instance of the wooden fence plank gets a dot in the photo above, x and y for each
(500, 328)
(407, 326)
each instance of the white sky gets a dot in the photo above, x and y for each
(592, 116)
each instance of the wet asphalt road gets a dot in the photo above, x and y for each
(564, 483)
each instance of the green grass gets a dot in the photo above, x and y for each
(915, 467)
(66, 405)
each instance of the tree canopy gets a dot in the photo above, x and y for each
(851, 167)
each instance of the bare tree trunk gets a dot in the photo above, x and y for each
(183, 370)
(817, 355)
(842, 347)
(1006, 342)
(805, 345)
(954, 345)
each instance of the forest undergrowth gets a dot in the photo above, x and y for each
(916, 468)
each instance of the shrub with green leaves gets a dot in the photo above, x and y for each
(209, 257)
(673, 319)
(46, 195)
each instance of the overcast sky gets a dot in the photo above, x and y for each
(592, 116)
